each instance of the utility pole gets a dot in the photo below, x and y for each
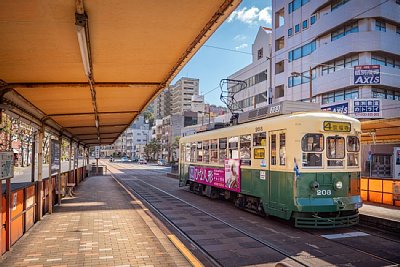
(311, 78)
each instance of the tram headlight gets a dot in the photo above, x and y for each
(314, 185)
(339, 185)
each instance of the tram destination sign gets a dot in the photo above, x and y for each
(7, 165)
(335, 126)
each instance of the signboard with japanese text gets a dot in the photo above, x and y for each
(367, 108)
(55, 156)
(6, 164)
(340, 108)
(367, 74)
(97, 152)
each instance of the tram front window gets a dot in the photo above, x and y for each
(335, 151)
(353, 147)
(312, 146)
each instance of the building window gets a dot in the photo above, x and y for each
(337, 3)
(297, 28)
(345, 30)
(279, 91)
(290, 32)
(303, 51)
(279, 18)
(296, 4)
(279, 43)
(279, 67)
(305, 24)
(380, 25)
(260, 53)
(313, 19)
(386, 94)
(385, 60)
(340, 95)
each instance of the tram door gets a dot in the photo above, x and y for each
(278, 183)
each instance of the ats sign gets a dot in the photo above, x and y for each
(367, 74)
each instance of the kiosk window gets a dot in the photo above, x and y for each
(245, 149)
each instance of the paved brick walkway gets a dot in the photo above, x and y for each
(100, 226)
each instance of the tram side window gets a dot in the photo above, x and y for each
(260, 139)
(353, 147)
(206, 156)
(222, 150)
(273, 149)
(282, 149)
(233, 147)
(199, 151)
(193, 152)
(312, 146)
(187, 152)
(245, 149)
(335, 151)
(214, 151)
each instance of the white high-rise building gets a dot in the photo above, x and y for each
(256, 75)
(181, 94)
(352, 48)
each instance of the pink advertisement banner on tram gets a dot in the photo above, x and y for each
(227, 178)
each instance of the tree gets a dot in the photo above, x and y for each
(149, 117)
(152, 148)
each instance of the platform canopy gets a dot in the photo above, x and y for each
(87, 68)
(381, 131)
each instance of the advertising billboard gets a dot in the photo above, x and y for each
(227, 178)
(340, 108)
(367, 74)
(367, 108)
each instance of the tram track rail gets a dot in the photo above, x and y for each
(150, 189)
(143, 198)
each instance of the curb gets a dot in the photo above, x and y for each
(380, 223)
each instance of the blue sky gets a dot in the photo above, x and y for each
(237, 33)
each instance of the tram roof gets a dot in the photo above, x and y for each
(135, 49)
(381, 131)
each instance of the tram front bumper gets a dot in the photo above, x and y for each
(333, 204)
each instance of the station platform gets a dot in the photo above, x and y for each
(101, 225)
(380, 216)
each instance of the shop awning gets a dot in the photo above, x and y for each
(381, 131)
(88, 68)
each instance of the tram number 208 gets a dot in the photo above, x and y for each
(324, 192)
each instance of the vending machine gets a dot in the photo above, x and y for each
(396, 163)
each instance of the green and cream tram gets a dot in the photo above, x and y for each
(302, 166)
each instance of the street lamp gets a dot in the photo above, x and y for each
(297, 74)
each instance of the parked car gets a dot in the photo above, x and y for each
(124, 159)
(142, 161)
(161, 162)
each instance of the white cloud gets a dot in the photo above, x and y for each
(252, 15)
(239, 38)
(241, 46)
(265, 15)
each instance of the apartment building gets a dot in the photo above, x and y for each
(162, 104)
(255, 92)
(349, 46)
(181, 94)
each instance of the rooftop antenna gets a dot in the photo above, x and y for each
(228, 97)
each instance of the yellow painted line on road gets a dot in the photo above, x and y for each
(177, 243)
(185, 251)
